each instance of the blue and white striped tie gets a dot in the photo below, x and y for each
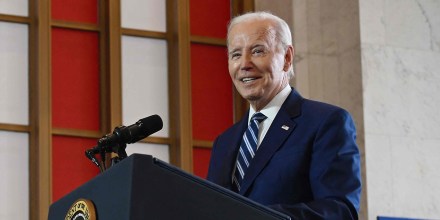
(248, 148)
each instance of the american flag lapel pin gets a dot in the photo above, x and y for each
(285, 127)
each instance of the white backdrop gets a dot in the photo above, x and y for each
(145, 72)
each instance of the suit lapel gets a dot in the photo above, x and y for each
(281, 128)
(231, 144)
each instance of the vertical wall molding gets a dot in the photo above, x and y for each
(40, 109)
(178, 36)
(112, 94)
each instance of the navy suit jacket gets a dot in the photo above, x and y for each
(311, 170)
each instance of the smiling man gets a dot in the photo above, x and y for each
(292, 154)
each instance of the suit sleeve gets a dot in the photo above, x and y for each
(334, 172)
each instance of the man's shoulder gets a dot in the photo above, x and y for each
(319, 105)
(298, 102)
(319, 110)
(314, 109)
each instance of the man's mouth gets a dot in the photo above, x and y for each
(248, 79)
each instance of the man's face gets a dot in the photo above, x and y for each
(257, 63)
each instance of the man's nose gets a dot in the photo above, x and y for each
(246, 62)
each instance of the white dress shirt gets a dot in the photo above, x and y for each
(270, 111)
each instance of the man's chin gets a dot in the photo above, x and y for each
(252, 98)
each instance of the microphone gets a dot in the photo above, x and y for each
(133, 133)
(122, 135)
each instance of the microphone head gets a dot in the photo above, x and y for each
(133, 133)
(141, 129)
(150, 124)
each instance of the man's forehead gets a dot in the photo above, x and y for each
(251, 33)
(253, 26)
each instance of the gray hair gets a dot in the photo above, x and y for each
(283, 33)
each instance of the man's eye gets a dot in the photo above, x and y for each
(258, 51)
(235, 55)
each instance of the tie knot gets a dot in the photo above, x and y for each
(258, 116)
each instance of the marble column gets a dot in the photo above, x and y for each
(400, 41)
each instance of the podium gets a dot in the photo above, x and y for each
(144, 187)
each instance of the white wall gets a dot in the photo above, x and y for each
(400, 47)
(144, 71)
(14, 94)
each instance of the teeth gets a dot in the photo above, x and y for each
(247, 79)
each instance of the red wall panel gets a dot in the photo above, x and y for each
(201, 158)
(75, 79)
(70, 167)
(209, 18)
(212, 101)
(75, 10)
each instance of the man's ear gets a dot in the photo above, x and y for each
(288, 58)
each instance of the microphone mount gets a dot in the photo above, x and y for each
(104, 147)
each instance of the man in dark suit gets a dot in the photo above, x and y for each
(296, 156)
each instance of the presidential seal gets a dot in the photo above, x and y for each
(82, 209)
